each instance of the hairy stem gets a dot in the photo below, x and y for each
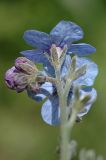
(66, 125)
(63, 106)
(46, 79)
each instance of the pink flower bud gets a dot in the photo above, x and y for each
(16, 80)
(25, 65)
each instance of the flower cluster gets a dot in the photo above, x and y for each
(22, 75)
(56, 50)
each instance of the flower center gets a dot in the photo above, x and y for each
(59, 51)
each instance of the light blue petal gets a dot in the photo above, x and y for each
(56, 40)
(36, 96)
(49, 69)
(36, 56)
(66, 65)
(93, 94)
(39, 97)
(67, 31)
(91, 72)
(50, 111)
(48, 87)
(45, 90)
(37, 39)
(81, 49)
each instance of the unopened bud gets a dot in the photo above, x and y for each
(57, 55)
(56, 52)
(25, 65)
(20, 82)
(16, 80)
(9, 77)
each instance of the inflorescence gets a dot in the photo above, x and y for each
(55, 51)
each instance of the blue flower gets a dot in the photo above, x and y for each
(50, 110)
(64, 33)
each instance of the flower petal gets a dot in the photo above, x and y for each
(57, 40)
(93, 94)
(91, 72)
(45, 90)
(36, 56)
(36, 96)
(49, 69)
(37, 39)
(48, 87)
(50, 111)
(81, 49)
(67, 31)
(66, 65)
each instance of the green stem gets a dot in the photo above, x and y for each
(46, 79)
(63, 116)
(66, 126)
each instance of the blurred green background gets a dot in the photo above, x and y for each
(23, 134)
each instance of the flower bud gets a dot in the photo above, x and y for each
(25, 65)
(56, 53)
(20, 82)
(16, 80)
(9, 77)
(57, 50)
